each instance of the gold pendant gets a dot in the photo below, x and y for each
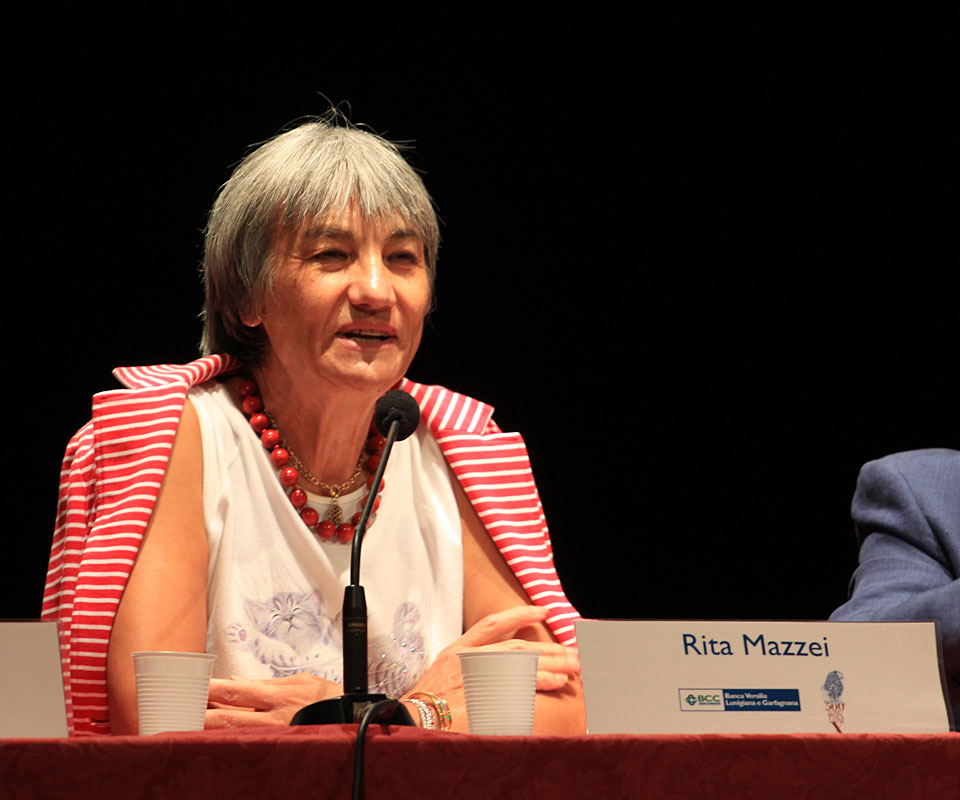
(335, 514)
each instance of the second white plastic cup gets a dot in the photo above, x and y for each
(172, 690)
(500, 688)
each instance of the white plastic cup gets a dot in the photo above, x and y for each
(500, 688)
(172, 690)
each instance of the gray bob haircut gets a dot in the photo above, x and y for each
(311, 172)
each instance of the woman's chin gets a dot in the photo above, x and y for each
(363, 379)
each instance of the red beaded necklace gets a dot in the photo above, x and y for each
(282, 457)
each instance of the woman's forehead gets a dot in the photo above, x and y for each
(349, 225)
(352, 222)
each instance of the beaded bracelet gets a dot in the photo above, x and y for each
(428, 720)
(441, 707)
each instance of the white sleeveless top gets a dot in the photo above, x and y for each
(275, 590)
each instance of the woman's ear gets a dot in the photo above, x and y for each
(251, 317)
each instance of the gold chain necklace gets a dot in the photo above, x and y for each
(282, 458)
(333, 490)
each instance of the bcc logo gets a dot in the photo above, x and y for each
(703, 699)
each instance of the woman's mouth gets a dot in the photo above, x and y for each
(363, 335)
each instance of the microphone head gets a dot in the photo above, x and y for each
(397, 405)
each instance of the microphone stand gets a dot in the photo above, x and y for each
(357, 698)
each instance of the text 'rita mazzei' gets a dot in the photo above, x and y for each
(694, 645)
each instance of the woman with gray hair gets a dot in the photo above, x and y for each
(209, 506)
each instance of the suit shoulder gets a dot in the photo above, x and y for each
(934, 469)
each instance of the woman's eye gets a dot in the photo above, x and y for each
(329, 256)
(404, 257)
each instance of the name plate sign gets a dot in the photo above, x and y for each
(32, 701)
(762, 677)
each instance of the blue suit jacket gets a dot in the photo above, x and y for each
(907, 515)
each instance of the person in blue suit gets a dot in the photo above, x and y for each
(906, 510)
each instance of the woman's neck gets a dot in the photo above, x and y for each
(326, 429)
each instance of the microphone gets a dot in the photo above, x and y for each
(400, 406)
(396, 416)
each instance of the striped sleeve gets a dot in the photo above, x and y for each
(69, 539)
(494, 469)
(496, 476)
(112, 475)
(110, 479)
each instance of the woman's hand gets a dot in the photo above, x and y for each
(557, 665)
(497, 631)
(236, 703)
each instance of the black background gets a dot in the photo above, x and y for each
(705, 265)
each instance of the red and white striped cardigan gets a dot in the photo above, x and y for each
(115, 464)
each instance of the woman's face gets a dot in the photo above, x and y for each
(348, 303)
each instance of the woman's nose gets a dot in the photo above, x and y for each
(371, 287)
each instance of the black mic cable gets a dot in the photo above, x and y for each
(376, 710)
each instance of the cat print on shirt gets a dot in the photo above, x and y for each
(292, 633)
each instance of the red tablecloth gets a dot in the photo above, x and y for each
(317, 762)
